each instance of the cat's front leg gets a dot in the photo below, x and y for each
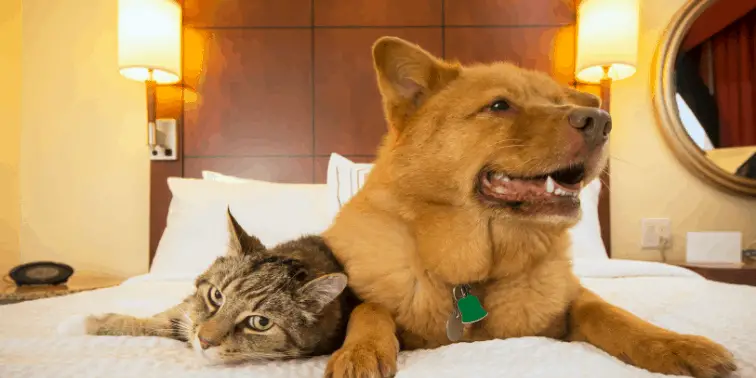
(126, 325)
(174, 323)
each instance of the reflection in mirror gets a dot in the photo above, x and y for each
(715, 78)
(692, 126)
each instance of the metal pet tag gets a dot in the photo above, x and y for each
(454, 327)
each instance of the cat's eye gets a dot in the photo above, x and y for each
(215, 296)
(259, 323)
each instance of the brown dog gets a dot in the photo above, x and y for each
(476, 183)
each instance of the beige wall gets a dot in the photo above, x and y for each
(84, 167)
(10, 129)
(647, 180)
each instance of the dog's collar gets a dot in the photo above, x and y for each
(467, 309)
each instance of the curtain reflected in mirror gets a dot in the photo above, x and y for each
(715, 78)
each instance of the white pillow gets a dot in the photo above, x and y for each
(196, 231)
(586, 235)
(215, 176)
(345, 178)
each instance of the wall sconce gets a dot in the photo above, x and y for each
(607, 43)
(149, 50)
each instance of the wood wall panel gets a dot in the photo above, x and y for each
(246, 13)
(378, 12)
(277, 169)
(254, 94)
(348, 112)
(509, 12)
(543, 48)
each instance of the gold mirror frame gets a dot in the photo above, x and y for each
(663, 93)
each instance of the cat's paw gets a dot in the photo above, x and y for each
(78, 325)
(359, 360)
(73, 326)
(688, 355)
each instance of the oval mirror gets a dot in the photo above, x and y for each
(705, 91)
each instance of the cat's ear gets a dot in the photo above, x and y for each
(321, 291)
(240, 242)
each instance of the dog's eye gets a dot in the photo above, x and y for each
(499, 106)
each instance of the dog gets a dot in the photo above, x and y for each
(471, 195)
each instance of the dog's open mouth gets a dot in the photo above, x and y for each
(555, 192)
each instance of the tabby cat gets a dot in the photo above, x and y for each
(254, 303)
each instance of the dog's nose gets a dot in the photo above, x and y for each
(595, 124)
(204, 343)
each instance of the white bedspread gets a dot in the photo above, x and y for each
(668, 296)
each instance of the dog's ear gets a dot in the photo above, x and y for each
(582, 98)
(240, 243)
(407, 75)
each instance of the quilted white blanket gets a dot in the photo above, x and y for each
(671, 297)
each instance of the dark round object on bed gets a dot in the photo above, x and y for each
(41, 273)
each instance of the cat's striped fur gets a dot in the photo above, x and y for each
(254, 303)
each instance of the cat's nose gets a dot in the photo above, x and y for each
(204, 343)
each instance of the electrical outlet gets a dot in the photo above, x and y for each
(653, 231)
(166, 140)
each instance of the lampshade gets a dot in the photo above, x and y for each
(607, 36)
(149, 38)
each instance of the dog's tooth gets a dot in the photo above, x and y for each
(498, 176)
(506, 179)
(550, 185)
(499, 189)
(559, 192)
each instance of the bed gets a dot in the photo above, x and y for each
(44, 338)
(665, 295)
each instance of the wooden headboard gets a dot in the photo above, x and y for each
(271, 88)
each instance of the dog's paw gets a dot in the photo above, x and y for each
(362, 360)
(688, 355)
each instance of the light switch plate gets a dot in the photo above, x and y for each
(166, 138)
(714, 247)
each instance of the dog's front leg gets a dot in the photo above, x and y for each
(640, 343)
(370, 348)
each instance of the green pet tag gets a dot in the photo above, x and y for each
(467, 310)
(471, 309)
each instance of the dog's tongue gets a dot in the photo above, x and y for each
(508, 189)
